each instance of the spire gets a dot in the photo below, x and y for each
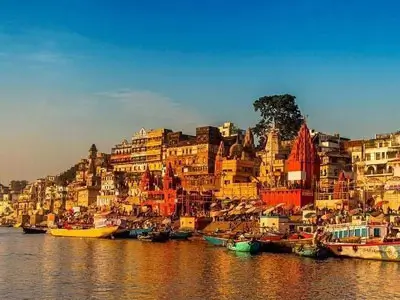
(221, 149)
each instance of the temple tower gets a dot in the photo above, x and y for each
(169, 181)
(303, 163)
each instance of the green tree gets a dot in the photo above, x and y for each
(18, 185)
(68, 176)
(281, 111)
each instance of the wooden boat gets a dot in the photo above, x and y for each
(155, 237)
(385, 251)
(33, 230)
(180, 235)
(216, 241)
(102, 232)
(252, 247)
(121, 234)
(134, 233)
(316, 252)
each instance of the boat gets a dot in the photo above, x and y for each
(180, 235)
(362, 240)
(216, 241)
(17, 225)
(384, 251)
(155, 237)
(134, 233)
(33, 230)
(250, 246)
(311, 251)
(121, 234)
(101, 232)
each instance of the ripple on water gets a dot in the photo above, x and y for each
(44, 267)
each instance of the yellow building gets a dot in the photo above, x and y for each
(155, 144)
(273, 157)
(237, 172)
(87, 196)
(139, 141)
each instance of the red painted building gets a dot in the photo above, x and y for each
(161, 198)
(303, 169)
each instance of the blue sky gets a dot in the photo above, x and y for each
(77, 72)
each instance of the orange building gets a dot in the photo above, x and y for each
(161, 199)
(303, 170)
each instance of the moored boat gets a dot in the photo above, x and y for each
(180, 235)
(311, 251)
(121, 234)
(252, 247)
(134, 233)
(385, 251)
(216, 241)
(33, 230)
(102, 232)
(157, 237)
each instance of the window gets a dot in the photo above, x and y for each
(368, 156)
(377, 232)
(377, 156)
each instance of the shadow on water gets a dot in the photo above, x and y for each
(44, 267)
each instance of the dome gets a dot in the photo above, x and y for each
(236, 149)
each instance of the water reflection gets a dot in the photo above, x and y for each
(44, 267)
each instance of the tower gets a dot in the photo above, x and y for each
(303, 163)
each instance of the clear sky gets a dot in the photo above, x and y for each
(73, 73)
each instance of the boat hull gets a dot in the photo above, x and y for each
(378, 251)
(180, 235)
(155, 237)
(134, 233)
(30, 230)
(216, 241)
(245, 246)
(103, 232)
(316, 252)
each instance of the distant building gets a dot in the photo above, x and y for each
(229, 129)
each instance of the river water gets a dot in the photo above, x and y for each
(46, 267)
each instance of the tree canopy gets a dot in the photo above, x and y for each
(67, 176)
(281, 111)
(18, 185)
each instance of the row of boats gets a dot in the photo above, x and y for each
(113, 232)
(365, 240)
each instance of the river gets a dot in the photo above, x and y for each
(46, 267)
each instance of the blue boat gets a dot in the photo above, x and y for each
(252, 247)
(134, 233)
(216, 241)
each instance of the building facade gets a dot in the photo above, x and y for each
(139, 141)
(333, 156)
(121, 157)
(155, 147)
(200, 174)
(229, 129)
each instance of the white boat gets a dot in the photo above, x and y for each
(363, 240)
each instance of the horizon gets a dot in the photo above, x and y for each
(73, 74)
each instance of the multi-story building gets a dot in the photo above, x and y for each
(201, 172)
(373, 165)
(229, 129)
(121, 157)
(181, 152)
(139, 141)
(371, 158)
(333, 157)
(155, 145)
